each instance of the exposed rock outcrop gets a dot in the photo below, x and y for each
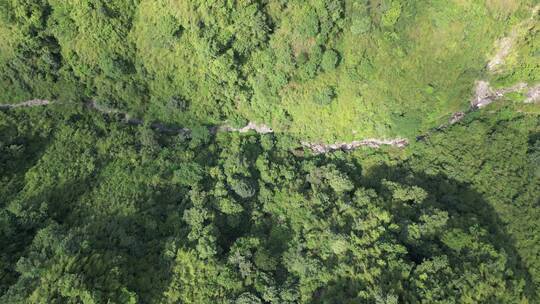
(251, 126)
(533, 96)
(29, 103)
(485, 95)
(319, 148)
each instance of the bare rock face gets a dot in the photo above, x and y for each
(29, 103)
(485, 95)
(319, 148)
(251, 126)
(533, 96)
(456, 117)
(504, 48)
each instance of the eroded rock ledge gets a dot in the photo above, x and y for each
(319, 148)
(251, 126)
(533, 96)
(485, 95)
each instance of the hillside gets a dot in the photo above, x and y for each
(322, 70)
(269, 151)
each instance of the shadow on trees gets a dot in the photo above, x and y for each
(466, 208)
(18, 161)
(23, 153)
(137, 239)
(17, 231)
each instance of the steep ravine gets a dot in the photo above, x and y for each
(484, 95)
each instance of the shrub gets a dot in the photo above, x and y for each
(329, 60)
(325, 96)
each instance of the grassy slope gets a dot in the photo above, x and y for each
(402, 67)
(400, 79)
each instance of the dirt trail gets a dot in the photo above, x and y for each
(317, 148)
(251, 126)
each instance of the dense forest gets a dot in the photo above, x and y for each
(97, 211)
(126, 176)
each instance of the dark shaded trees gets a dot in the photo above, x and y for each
(239, 218)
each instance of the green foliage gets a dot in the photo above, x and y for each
(198, 62)
(497, 155)
(188, 174)
(392, 14)
(96, 216)
(197, 281)
(242, 188)
(324, 96)
(95, 210)
(329, 60)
